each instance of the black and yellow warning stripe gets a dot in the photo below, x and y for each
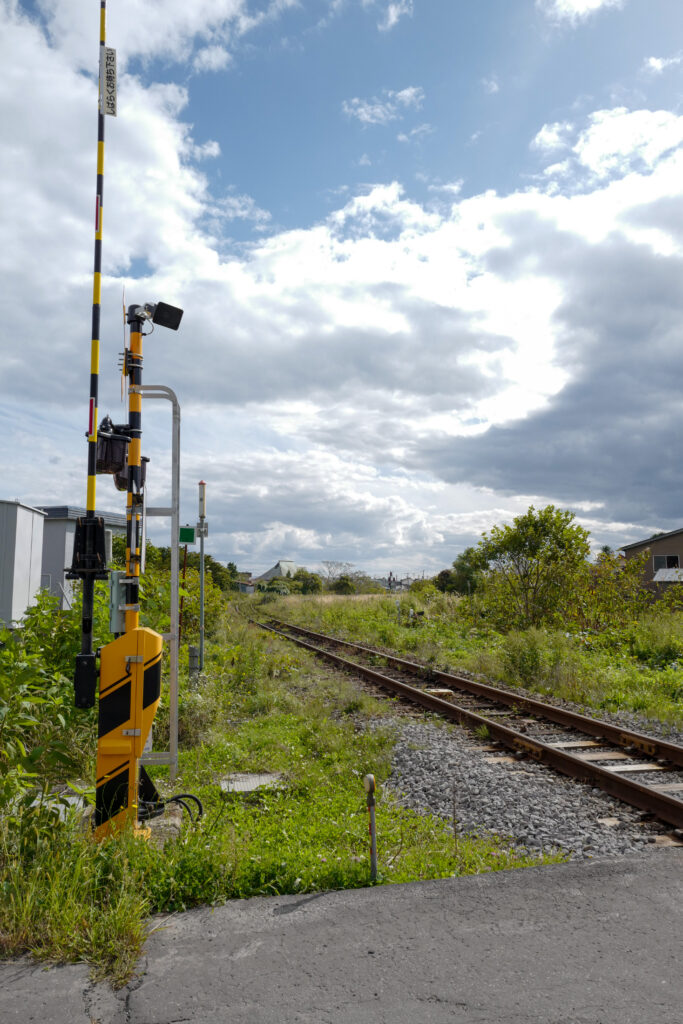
(134, 498)
(130, 687)
(97, 289)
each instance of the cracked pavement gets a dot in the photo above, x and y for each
(580, 943)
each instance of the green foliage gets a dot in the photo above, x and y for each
(343, 585)
(612, 668)
(308, 582)
(467, 569)
(54, 634)
(444, 581)
(42, 736)
(278, 585)
(261, 706)
(424, 588)
(657, 640)
(533, 567)
(610, 592)
(225, 577)
(155, 603)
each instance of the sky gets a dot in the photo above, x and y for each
(430, 254)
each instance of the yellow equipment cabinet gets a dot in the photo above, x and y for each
(130, 684)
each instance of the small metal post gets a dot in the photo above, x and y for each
(201, 529)
(369, 783)
(160, 391)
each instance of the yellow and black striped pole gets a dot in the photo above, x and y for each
(130, 666)
(97, 284)
(135, 482)
(89, 563)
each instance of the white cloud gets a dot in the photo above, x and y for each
(575, 10)
(619, 140)
(390, 106)
(395, 10)
(170, 29)
(490, 85)
(413, 96)
(208, 150)
(417, 133)
(212, 58)
(413, 330)
(656, 65)
(239, 207)
(552, 137)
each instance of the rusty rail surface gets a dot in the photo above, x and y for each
(646, 798)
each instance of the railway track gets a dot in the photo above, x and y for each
(643, 771)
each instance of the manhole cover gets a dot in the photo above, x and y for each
(246, 782)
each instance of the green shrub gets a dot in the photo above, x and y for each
(657, 639)
(522, 655)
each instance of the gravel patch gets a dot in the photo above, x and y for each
(437, 769)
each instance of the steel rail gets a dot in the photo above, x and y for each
(645, 798)
(652, 746)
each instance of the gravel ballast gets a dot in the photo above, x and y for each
(442, 769)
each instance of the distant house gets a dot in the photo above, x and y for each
(665, 554)
(21, 546)
(280, 569)
(58, 544)
(245, 584)
(393, 584)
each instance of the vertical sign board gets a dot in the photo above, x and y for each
(108, 81)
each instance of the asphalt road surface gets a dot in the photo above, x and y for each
(580, 943)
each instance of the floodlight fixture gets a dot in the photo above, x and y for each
(163, 314)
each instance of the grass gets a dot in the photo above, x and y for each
(261, 706)
(638, 668)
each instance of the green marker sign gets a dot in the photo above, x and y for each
(187, 535)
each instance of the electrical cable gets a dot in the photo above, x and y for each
(152, 809)
(188, 796)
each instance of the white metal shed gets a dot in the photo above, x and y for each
(21, 553)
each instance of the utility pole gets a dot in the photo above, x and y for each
(202, 530)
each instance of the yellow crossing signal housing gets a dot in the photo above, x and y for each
(130, 684)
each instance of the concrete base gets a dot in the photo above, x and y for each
(580, 943)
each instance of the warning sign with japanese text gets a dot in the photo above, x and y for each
(108, 81)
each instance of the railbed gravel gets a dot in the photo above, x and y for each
(437, 768)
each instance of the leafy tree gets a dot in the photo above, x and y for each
(343, 585)
(445, 581)
(467, 570)
(534, 565)
(425, 589)
(612, 593)
(278, 585)
(335, 570)
(310, 582)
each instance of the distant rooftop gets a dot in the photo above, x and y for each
(22, 504)
(280, 568)
(73, 512)
(650, 540)
(668, 576)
